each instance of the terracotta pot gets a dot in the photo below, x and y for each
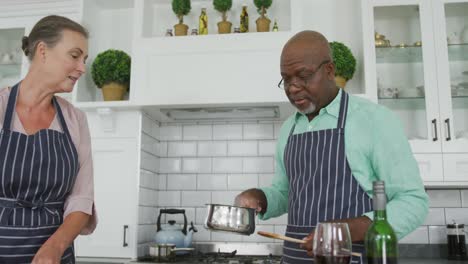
(224, 27)
(340, 81)
(180, 30)
(113, 91)
(263, 24)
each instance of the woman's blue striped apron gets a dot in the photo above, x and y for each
(321, 185)
(37, 172)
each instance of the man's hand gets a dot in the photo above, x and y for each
(308, 245)
(252, 198)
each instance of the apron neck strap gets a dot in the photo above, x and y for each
(10, 107)
(343, 109)
(60, 115)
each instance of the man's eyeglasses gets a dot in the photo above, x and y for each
(301, 80)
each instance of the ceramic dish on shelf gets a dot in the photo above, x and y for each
(462, 92)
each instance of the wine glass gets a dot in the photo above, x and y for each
(332, 244)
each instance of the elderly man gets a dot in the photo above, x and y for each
(329, 153)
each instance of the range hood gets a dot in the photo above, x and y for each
(222, 113)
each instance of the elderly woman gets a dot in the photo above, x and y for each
(46, 171)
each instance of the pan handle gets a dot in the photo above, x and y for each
(172, 211)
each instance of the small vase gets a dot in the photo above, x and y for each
(263, 24)
(224, 27)
(113, 91)
(180, 29)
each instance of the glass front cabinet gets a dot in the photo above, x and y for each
(416, 64)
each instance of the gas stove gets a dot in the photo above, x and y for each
(215, 258)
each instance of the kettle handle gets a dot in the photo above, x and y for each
(172, 211)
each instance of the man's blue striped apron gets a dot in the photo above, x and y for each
(321, 185)
(37, 172)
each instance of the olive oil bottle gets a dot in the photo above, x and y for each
(203, 23)
(244, 20)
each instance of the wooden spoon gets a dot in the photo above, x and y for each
(290, 239)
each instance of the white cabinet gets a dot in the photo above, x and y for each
(415, 62)
(116, 157)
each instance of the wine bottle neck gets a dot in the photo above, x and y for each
(380, 215)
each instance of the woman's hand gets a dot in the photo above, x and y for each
(48, 254)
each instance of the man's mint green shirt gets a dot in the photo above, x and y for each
(376, 149)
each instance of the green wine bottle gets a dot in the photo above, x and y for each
(381, 242)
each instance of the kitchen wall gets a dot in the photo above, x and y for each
(188, 165)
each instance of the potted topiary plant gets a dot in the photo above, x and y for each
(181, 8)
(345, 63)
(223, 6)
(263, 23)
(111, 72)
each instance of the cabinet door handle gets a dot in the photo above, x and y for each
(125, 244)
(434, 124)
(447, 125)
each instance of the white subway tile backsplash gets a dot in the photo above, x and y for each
(169, 198)
(418, 236)
(146, 125)
(277, 129)
(267, 148)
(147, 143)
(225, 237)
(265, 179)
(212, 182)
(444, 198)
(258, 165)
(148, 197)
(145, 233)
(196, 198)
(258, 131)
(242, 148)
(149, 179)
(257, 238)
(212, 148)
(190, 165)
(459, 215)
(181, 182)
(170, 165)
(156, 131)
(227, 165)
(147, 215)
(437, 235)
(182, 149)
(202, 234)
(436, 216)
(149, 162)
(223, 197)
(200, 215)
(169, 133)
(227, 132)
(160, 149)
(196, 165)
(239, 182)
(162, 181)
(202, 132)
